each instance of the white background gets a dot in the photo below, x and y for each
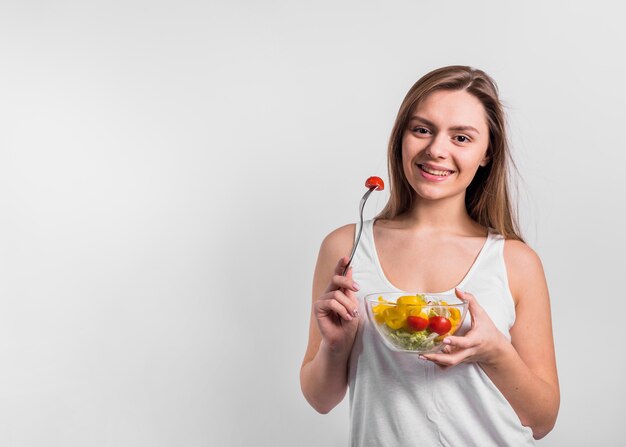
(169, 169)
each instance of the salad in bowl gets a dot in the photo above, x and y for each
(415, 323)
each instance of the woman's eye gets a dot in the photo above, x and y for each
(421, 130)
(462, 139)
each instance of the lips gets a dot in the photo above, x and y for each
(435, 170)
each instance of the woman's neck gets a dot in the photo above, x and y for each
(441, 215)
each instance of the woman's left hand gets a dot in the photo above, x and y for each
(481, 343)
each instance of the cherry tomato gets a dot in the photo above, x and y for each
(416, 323)
(375, 182)
(440, 325)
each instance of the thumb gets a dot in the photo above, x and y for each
(341, 265)
(349, 273)
(472, 305)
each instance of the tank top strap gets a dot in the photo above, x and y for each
(365, 254)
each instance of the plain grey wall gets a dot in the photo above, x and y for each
(168, 170)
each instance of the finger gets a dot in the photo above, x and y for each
(341, 265)
(333, 305)
(447, 359)
(459, 342)
(345, 299)
(352, 303)
(343, 282)
(472, 305)
(348, 273)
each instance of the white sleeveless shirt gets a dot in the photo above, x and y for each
(396, 399)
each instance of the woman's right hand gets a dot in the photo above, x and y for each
(336, 311)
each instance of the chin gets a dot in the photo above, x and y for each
(432, 194)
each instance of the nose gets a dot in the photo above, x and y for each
(438, 147)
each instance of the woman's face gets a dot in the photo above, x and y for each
(445, 142)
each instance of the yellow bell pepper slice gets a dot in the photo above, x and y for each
(408, 299)
(455, 319)
(455, 316)
(394, 317)
(407, 302)
(416, 312)
(380, 308)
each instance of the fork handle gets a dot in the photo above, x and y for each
(358, 237)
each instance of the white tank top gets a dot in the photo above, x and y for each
(396, 399)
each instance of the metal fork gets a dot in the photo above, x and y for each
(358, 237)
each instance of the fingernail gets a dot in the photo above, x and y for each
(348, 317)
(422, 357)
(446, 341)
(355, 286)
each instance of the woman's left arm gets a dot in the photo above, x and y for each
(524, 369)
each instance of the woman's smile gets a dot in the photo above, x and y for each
(434, 173)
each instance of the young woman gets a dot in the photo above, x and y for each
(448, 227)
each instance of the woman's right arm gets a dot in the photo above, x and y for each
(333, 325)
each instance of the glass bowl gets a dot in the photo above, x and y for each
(415, 323)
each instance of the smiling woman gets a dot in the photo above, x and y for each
(441, 157)
(448, 227)
(490, 209)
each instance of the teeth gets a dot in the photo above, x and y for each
(435, 172)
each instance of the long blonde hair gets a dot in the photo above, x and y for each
(487, 198)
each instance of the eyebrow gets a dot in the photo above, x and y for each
(430, 123)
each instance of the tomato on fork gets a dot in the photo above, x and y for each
(375, 182)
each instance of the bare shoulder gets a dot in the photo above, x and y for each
(335, 245)
(519, 255)
(338, 242)
(524, 268)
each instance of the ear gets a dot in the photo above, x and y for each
(485, 161)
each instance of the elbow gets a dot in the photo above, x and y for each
(320, 406)
(540, 431)
(544, 426)
(542, 418)
(321, 401)
(322, 409)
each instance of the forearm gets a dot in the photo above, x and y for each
(324, 380)
(535, 401)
